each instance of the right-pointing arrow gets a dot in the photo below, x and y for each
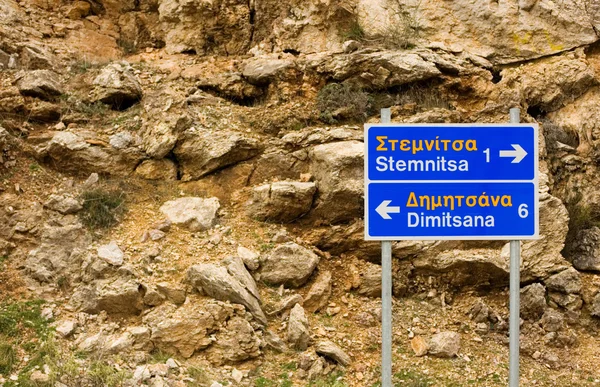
(384, 209)
(518, 153)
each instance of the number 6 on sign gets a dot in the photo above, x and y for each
(523, 212)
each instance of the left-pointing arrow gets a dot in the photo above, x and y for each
(384, 209)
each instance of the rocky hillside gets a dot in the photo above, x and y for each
(181, 192)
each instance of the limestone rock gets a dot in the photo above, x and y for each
(66, 328)
(78, 10)
(159, 135)
(552, 320)
(141, 338)
(42, 111)
(195, 214)
(43, 84)
(235, 267)
(319, 293)
(317, 369)
(35, 57)
(595, 307)
(228, 85)
(72, 153)
(249, 257)
(333, 352)
(289, 264)
(533, 301)
(61, 253)
(201, 153)
(216, 282)
(419, 346)
(298, 333)
(375, 70)
(338, 169)
(120, 297)
(552, 82)
(153, 297)
(370, 281)
(187, 329)
(236, 342)
(262, 70)
(111, 253)
(586, 252)
(174, 293)
(274, 342)
(281, 202)
(119, 343)
(286, 304)
(38, 376)
(444, 344)
(516, 32)
(567, 281)
(117, 86)
(221, 27)
(65, 204)
(163, 169)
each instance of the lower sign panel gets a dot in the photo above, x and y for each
(397, 211)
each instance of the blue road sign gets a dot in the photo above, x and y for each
(444, 181)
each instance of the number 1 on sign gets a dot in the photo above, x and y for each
(487, 155)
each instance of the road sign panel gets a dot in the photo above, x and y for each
(451, 182)
(451, 152)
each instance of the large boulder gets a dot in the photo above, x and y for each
(187, 329)
(338, 169)
(43, 84)
(117, 86)
(502, 33)
(202, 152)
(222, 285)
(289, 264)
(195, 214)
(159, 136)
(281, 202)
(71, 152)
(263, 70)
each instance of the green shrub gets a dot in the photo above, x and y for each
(341, 100)
(102, 208)
(8, 357)
(104, 375)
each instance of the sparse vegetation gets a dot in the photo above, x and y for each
(102, 374)
(404, 30)
(102, 208)
(553, 134)
(581, 217)
(342, 101)
(408, 378)
(8, 358)
(334, 379)
(354, 32)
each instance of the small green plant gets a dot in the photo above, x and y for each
(291, 366)
(102, 374)
(334, 379)
(8, 358)
(199, 375)
(408, 378)
(261, 381)
(102, 208)
(14, 317)
(342, 101)
(34, 167)
(354, 31)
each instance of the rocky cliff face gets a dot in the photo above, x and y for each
(182, 182)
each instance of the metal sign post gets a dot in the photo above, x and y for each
(450, 182)
(386, 296)
(515, 295)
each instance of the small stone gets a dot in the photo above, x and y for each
(111, 253)
(419, 346)
(39, 377)
(332, 351)
(60, 126)
(237, 375)
(249, 257)
(66, 328)
(281, 236)
(172, 363)
(298, 332)
(319, 293)
(91, 180)
(156, 235)
(120, 140)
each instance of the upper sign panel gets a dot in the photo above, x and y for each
(443, 152)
